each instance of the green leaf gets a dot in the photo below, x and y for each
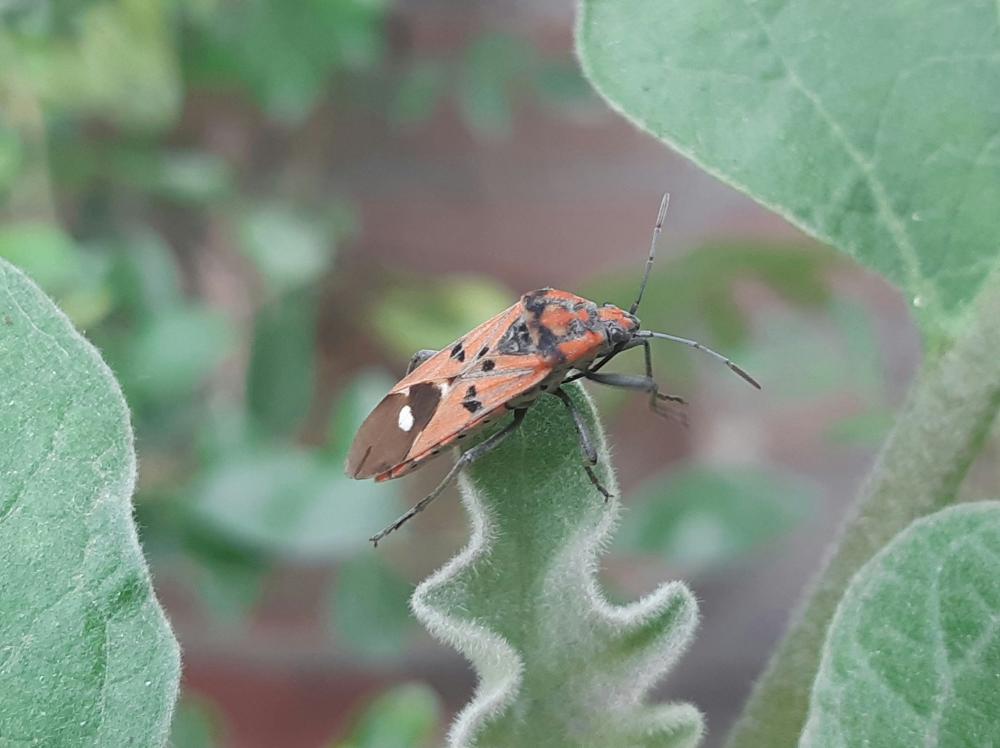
(283, 53)
(435, 312)
(700, 288)
(44, 251)
(842, 357)
(282, 367)
(296, 502)
(117, 62)
(145, 276)
(174, 352)
(356, 402)
(867, 428)
(86, 655)
(11, 157)
(368, 608)
(288, 248)
(192, 176)
(699, 516)
(292, 502)
(197, 724)
(814, 111)
(417, 95)
(913, 653)
(404, 717)
(558, 665)
(491, 65)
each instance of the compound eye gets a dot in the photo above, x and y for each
(617, 335)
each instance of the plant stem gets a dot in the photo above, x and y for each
(947, 417)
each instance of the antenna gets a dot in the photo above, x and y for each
(652, 250)
(700, 347)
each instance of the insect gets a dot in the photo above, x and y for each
(528, 351)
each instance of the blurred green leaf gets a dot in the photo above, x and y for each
(296, 502)
(194, 176)
(861, 345)
(145, 277)
(172, 353)
(357, 401)
(115, 60)
(44, 252)
(701, 516)
(185, 175)
(406, 716)
(799, 358)
(369, 608)
(197, 724)
(11, 157)
(867, 428)
(418, 93)
(289, 248)
(284, 53)
(560, 83)
(282, 362)
(698, 290)
(292, 503)
(430, 313)
(229, 590)
(76, 276)
(491, 69)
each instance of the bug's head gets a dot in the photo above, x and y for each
(619, 326)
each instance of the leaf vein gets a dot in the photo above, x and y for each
(890, 219)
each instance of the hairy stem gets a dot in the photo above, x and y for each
(941, 429)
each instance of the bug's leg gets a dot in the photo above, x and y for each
(466, 459)
(418, 358)
(644, 384)
(586, 441)
(656, 395)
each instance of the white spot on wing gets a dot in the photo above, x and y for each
(405, 418)
(443, 387)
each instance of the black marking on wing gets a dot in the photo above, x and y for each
(517, 340)
(489, 365)
(472, 405)
(458, 352)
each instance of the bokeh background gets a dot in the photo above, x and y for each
(259, 209)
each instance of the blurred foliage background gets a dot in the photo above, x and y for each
(258, 211)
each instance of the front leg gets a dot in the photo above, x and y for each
(657, 399)
(586, 441)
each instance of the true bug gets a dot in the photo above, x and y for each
(546, 339)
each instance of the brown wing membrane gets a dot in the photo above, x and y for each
(388, 433)
(382, 442)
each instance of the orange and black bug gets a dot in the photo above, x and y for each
(546, 339)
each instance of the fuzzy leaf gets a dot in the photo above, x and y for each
(913, 653)
(821, 112)
(558, 665)
(86, 655)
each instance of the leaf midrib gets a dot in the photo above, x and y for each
(890, 219)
